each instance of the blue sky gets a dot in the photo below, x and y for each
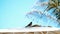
(12, 12)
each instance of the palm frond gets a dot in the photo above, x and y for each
(51, 5)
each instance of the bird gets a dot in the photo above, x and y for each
(29, 25)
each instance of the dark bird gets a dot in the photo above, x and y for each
(29, 25)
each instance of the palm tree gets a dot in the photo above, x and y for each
(51, 4)
(54, 4)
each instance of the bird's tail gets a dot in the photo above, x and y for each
(29, 25)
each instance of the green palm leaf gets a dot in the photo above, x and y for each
(54, 4)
